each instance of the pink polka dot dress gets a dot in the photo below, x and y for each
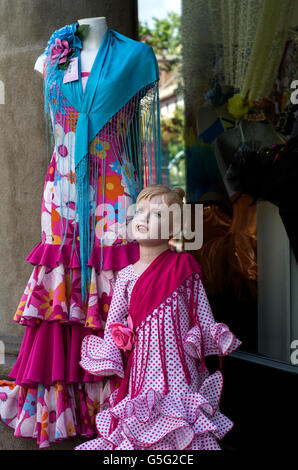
(162, 409)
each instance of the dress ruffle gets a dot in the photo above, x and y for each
(53, 397)
(51, 414)
(115, 257)
(49, 294)
(100, 357)
(221, 341)
(50, 352)
(153, 420)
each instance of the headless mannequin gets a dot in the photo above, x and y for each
(90, 46)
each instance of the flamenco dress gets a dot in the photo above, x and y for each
(167, 400)
(52, 397)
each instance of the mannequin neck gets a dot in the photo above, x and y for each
(97, 29)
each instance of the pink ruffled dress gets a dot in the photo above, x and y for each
(52, 397)
(161, 411)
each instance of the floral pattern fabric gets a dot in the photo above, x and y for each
(49, 412)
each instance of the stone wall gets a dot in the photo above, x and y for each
(25, 27)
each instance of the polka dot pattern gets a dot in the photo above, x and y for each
(162, 410)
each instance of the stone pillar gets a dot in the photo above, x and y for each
(25, 29)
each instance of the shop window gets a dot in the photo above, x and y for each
(251, 272)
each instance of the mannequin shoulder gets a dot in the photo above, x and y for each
(40, 63)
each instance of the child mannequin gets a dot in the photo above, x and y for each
(159, 329)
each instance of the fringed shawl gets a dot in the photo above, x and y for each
(120, 106)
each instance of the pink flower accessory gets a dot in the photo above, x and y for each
(60, 47)
(123, 336)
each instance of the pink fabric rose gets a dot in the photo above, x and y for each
(60, 47)
(122, 335)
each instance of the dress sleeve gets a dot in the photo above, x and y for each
(100, 356)
(207, 337)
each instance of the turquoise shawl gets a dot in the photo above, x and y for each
(123, 70)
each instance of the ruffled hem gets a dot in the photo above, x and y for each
(50, 296)
(51, 414)
(53, 292)
(49, 353)
(100, 357)
(115, 257)
(221, 341)
(153, 420)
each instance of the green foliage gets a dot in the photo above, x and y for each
(173, 146)
(165, 39)
(171, 127)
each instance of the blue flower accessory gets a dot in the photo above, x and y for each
(66, 43)
(67, 33)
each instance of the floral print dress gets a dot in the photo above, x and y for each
(52, 397)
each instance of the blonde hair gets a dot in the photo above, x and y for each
(168, 196)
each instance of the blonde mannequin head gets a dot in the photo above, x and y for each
(157, 199)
